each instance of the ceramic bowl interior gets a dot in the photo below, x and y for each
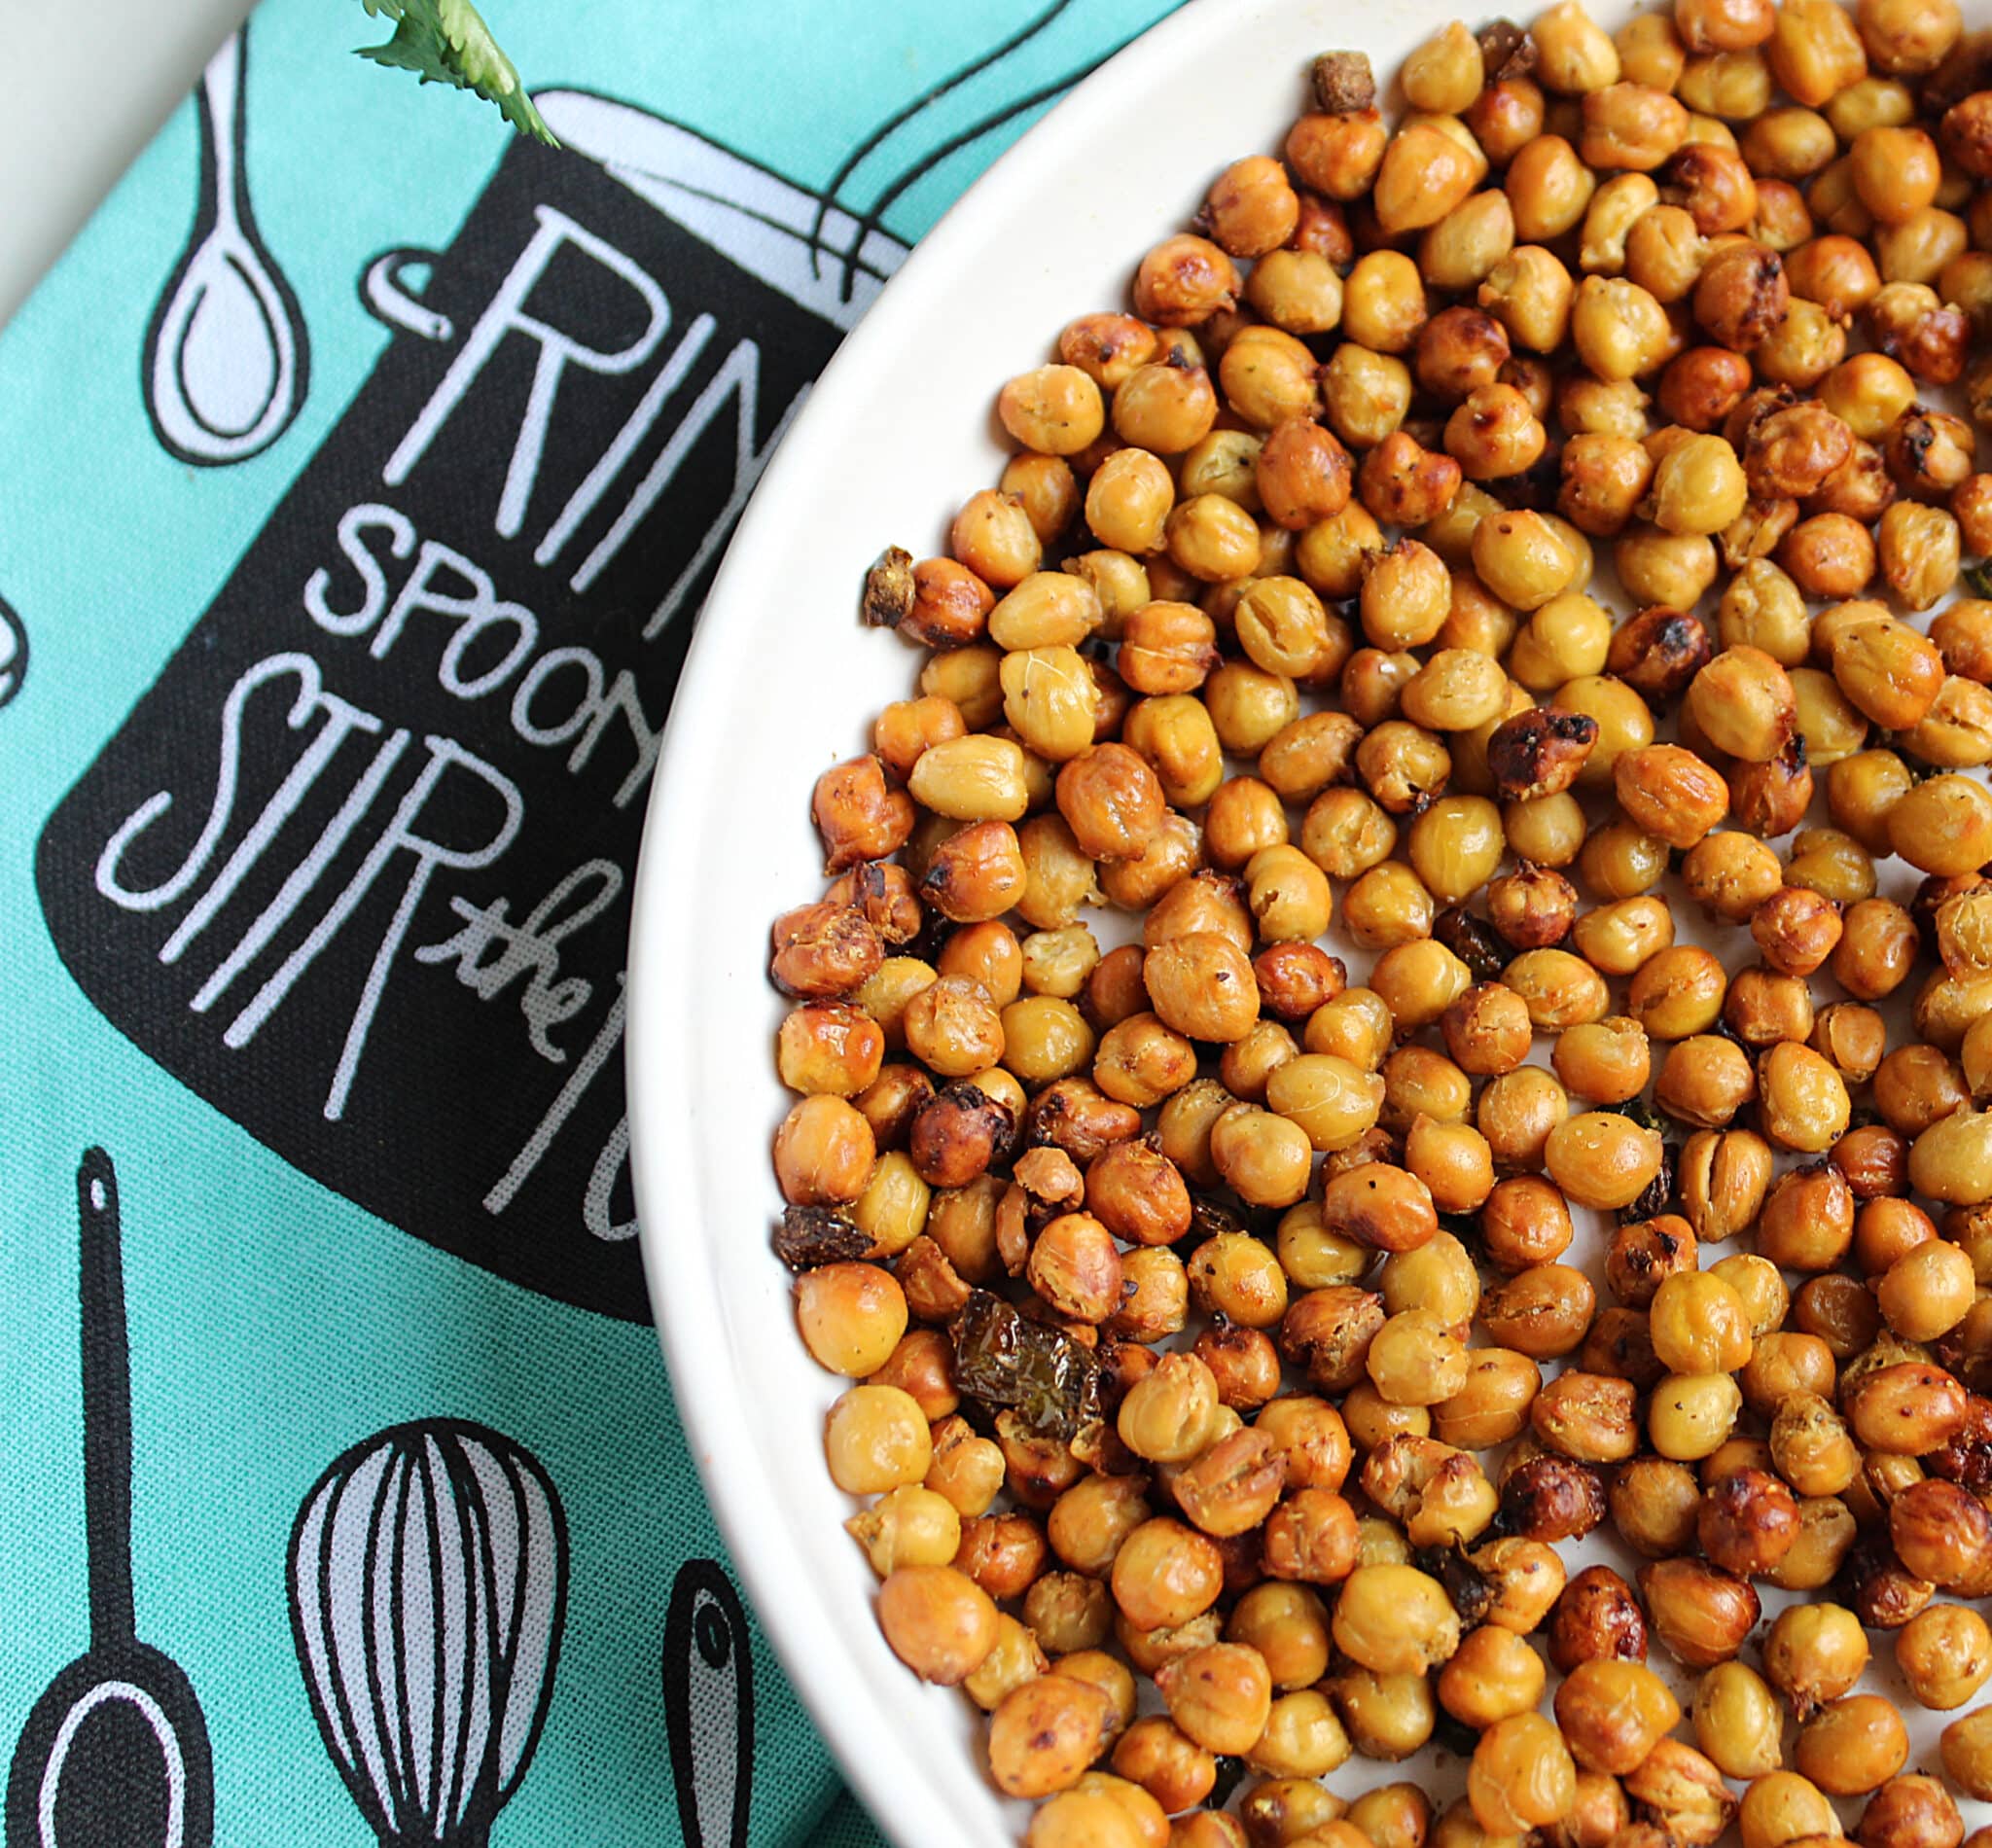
(781, 682)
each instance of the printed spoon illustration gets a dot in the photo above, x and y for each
(116, 1750)
(226, 357)
(709, 1681)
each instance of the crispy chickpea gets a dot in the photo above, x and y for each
(1487, 1030)
(1424, 172)
(1045, 1732)
(1183, 281)
(1574, 55)
(967, 1469)
(938, 1620)
(1541, 1312)
(1048, 489)
(1493, 1406)
(1054, 411)
(1529, 291)
(1677, 992)
(1166, 1573)
(1604, 1061)
(1894, 171)
(1388, 1716)
(1738, 1721)
(1743, 703)
(910, 1526)
(1782, 1807)
(1692, 1415)
(1547, 188)
(1547, 831)
(1701, 1612)
(1106, 347)
(1522, 1775)
(1465, 246)
(1631, 125)
(1967, 1750)
(1911, 1812)
(1852, 1745)
(1364, 394)
(1944, 1652)
(1517, 1113)
(1699, 1324)
(1613, 1713)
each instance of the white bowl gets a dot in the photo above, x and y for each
(781, 681)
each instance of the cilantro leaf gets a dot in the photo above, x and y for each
(447, 42)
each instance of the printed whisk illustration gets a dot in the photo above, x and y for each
(115, 1754)
(428, 1585)
(225, 355)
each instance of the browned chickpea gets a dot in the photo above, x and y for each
(1714, 187)
(1540, 753)
(1702, 386)
(1853, 1745)
(1559, 989)
(1251, 207)
(1645, 1254)
(1424, 172)
(1765, 1005)
(1905, 1410)
(1654, 1505)
(1303, 474)
(1460, 350)
(1487, 1030)
(1748, 1522)
(1908, 322)
(1701, 1612)
(1943, 1534)
(1723, 1178)
(1596, 1619)
(1911, 1812)
(1669, 793)
(1705, 1081)
(1742, 296)
(1403, 482)
(1106, 347)
(1829, 555)
(1588, 1417)
(1795, 930)
(1613, 1712)
(1543, 1311)
(1183, 281)
(1945, 1654)
(1677, 992)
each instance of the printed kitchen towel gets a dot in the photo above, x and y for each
(365, 469)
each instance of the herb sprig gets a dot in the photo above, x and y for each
(447, 42)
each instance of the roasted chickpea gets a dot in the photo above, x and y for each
(1945, 1654)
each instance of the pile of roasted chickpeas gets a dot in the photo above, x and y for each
(1227, 1363)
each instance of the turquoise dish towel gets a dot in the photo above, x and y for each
(366, 469)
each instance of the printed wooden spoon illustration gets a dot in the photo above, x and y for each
(225, 356)
(115, 1754)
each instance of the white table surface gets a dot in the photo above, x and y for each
(89, 81)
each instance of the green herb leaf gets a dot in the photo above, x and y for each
(447, 42)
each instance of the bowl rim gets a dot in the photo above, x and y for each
(775, 1572)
